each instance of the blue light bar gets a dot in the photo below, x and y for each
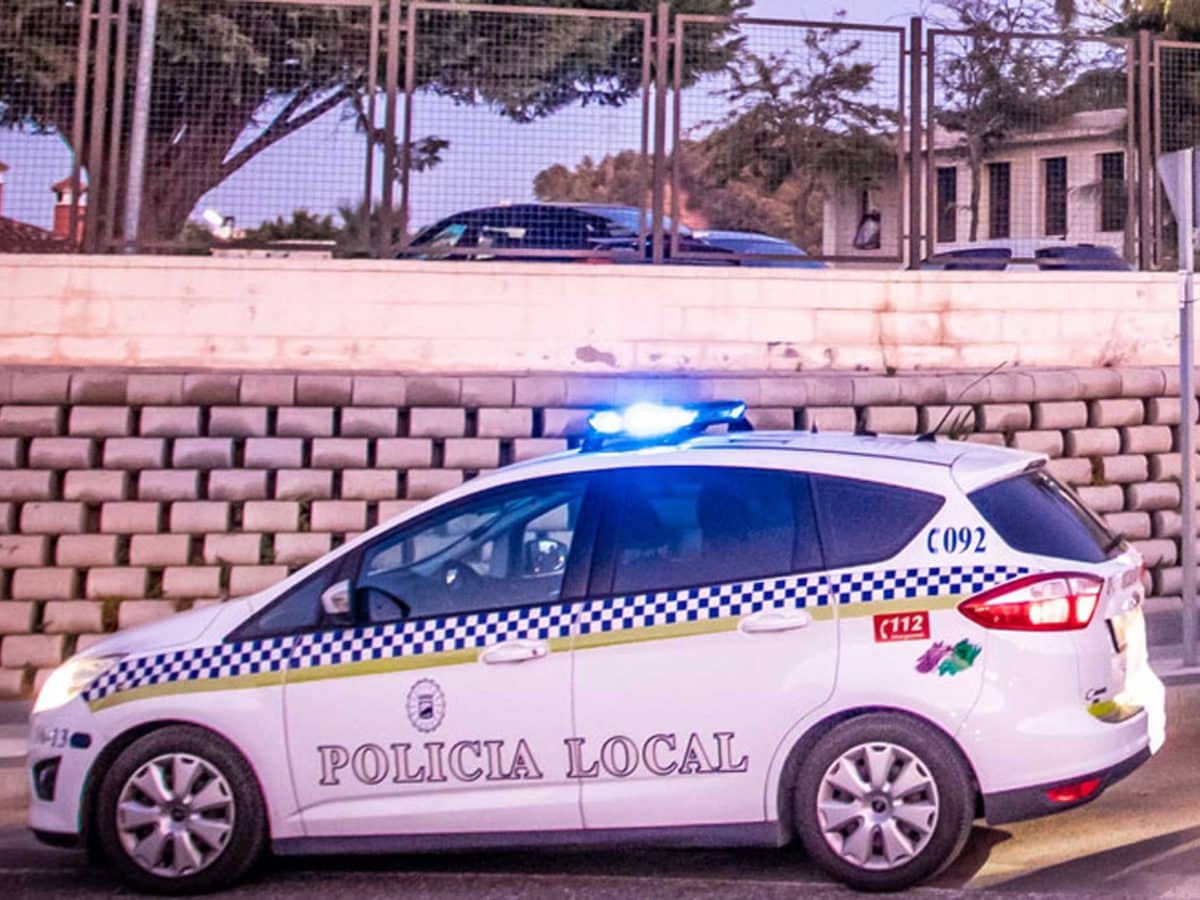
(662, 423)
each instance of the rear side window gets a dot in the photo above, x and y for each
(865, 522)
(685, 527)
(1034, 513)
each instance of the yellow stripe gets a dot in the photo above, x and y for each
(462, 657)
(879, 607)
(232, 683)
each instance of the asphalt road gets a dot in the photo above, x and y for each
(1141, 839)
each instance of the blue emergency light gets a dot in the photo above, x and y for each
(655, 423)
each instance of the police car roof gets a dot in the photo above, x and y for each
(974, 464)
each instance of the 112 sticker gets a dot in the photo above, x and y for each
(912, 626)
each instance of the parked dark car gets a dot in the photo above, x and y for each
(751, 244)
(589, 231)
(998, 256)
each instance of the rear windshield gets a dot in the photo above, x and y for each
(1035, 513)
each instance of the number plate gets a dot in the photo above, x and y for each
(1121, 626)
(912, 626)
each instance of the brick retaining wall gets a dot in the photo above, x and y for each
(126, 496)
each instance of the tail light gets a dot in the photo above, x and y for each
(1056, 601)
(1072, 793)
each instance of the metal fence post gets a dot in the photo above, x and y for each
(1147, 220)
(410, 90)
(95, 159)
(658, 201)
(1187, 392)
(914, 144)
(391, 80)
(113, 176)
(141, 125)
(78, 134)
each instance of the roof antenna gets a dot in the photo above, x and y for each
(932, 435)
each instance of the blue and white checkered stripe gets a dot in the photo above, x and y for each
(426, 637)
(702, 603)
(193, 664)
(867, 586)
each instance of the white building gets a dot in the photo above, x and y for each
(1067, 181)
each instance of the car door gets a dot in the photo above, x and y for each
(444, 708)
(707, 634)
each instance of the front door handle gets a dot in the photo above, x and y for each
(772, 620)
(514, 652)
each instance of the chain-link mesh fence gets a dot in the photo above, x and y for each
(787, 139)
(1176, 126)
(1031, 148)
(474, 130)
(527, 133)
(39, 55)
(259, 122)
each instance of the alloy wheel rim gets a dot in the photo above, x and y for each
(175, 815)
(877, 806)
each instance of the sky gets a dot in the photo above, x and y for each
(490, 160)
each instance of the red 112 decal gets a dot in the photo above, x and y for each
(912, 626)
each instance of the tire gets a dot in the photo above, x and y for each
(171, 843)
(883, 840)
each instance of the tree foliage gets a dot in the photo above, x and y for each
(235, 77)
(303, 226)
(799, 126)
(992, 85)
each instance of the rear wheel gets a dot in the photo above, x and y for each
(180, 812)
(883, 802)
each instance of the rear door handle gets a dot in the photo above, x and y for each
(514, 652)
(773, 620)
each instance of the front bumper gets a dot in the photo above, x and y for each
(68, 734)
(1032, 802)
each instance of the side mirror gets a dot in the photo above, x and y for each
(544, 556)
(335, 601)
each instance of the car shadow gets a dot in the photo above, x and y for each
(785, 864)
(976, 853)
(1123, 869)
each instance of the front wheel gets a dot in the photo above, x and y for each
(179, 812)
(883, 802)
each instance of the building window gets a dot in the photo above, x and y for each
(1112, 191)
(1054, 185)
(947, 203)
(999, 198)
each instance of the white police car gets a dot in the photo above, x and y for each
(739, 638)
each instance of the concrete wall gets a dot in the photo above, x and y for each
(518, 317)
(125, 496)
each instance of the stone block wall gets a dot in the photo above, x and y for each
(126, 496)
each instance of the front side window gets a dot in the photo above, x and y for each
(864, 521)
(684, 527)
(509, 548)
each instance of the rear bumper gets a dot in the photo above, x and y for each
(1031, 802)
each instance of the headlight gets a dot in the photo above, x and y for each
(70, 679)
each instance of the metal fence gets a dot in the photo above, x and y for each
(391, 128)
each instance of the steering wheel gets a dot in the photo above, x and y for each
(456, 576)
